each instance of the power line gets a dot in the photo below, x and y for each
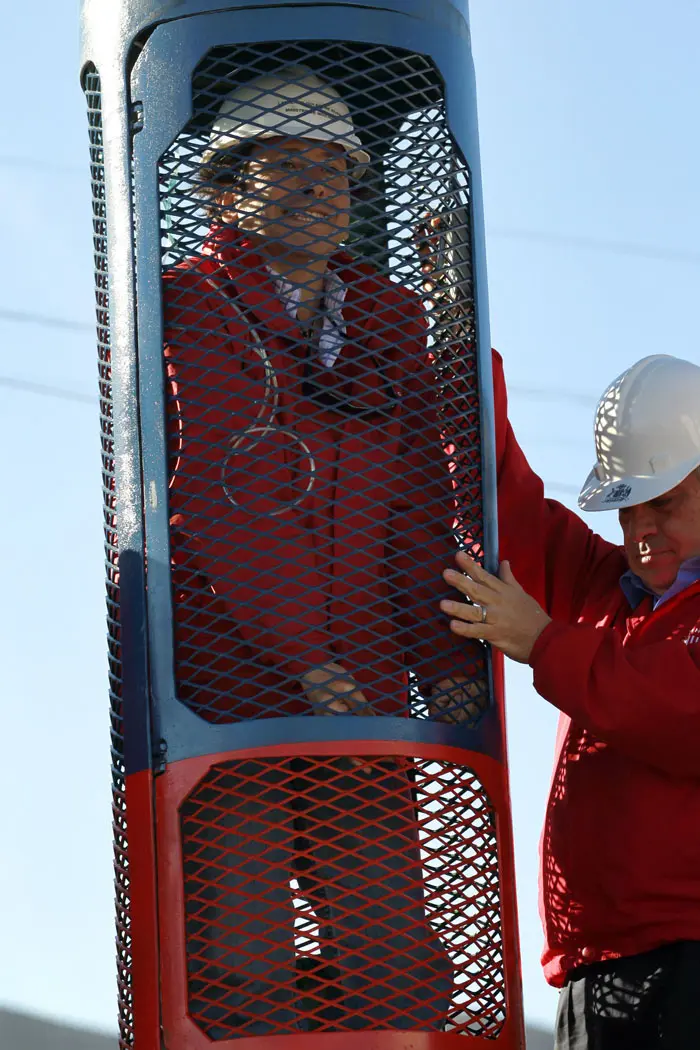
(654, 252)
(561, 486)
(45, 321)
(32, 164)
(533, 236)
(628, 248)
(74, 395)
(540, 393)
(44, 390)
(532, 393)
(63, 394)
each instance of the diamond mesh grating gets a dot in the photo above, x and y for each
(325, 463)
(325, 895)
(323, 421)
(93, 92)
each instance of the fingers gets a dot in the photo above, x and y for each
(476, 582)
(474, 687)
(480, 575)
(334, 690)
(470, 613)
(362, 707)
(456, 708)
(505, 574)
(472, 568)
(337, 706)
(468, 585)
(482, 631)
(447, 712)
(348, 704)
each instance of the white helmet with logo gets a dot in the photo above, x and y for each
(647, 434)
(292, 102)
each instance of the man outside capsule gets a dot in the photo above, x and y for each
(612, 635)
(297, 547)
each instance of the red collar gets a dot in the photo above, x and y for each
(671, 605)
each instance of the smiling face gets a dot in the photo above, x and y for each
(663, 533)
(295, 193)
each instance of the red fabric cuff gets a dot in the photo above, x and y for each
(552, 631)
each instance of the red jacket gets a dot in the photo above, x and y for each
(350, 571)
(621, 843)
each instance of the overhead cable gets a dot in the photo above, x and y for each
(63, 394)
(533, 393)
(45, 390)
(44, 320)
(656, 252)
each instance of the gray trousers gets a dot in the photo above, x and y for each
(349, 838)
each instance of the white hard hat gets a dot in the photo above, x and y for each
(647, 434)
(292, 102)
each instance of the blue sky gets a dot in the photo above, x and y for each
(590, 154)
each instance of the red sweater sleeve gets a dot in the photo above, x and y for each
(642, 700)
(553, 554)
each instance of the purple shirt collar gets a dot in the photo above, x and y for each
(635, 590)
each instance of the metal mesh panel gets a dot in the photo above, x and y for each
(341, 894)
(92, 88)
(324, 464)
(323, 422)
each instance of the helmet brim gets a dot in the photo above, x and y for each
(631, 490)
(360, 157)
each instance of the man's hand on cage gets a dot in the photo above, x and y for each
(429, 236)
(458, 699)
(501, 613)
(331, 690)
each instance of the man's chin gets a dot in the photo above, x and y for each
(658, 582)
(303, 241)
(321, 242)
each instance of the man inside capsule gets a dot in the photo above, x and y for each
(311, 508)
